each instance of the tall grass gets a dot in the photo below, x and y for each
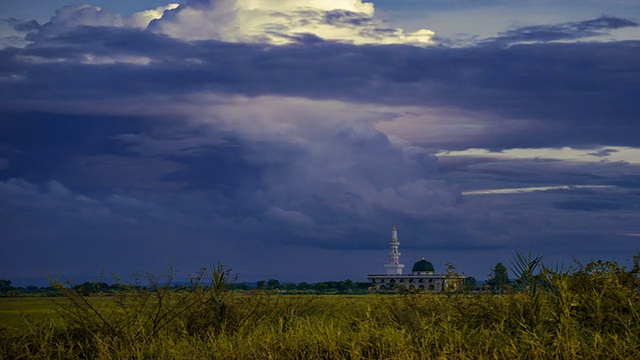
(589, 311)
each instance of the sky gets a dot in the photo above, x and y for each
(285, 138)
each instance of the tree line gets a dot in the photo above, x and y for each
(522, 267)
(100, 287)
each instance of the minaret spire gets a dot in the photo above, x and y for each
(394, 267)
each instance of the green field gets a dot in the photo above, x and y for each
(17, 314)
(589, 313)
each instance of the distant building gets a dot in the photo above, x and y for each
(423, 276)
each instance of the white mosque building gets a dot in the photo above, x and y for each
(423, 276)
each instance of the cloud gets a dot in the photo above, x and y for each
(476, 172)
(292, 202)
(178, 145)
(316, 186)
(575, 155)
(72, 17)
(142, 19)
(529, 189)
(528, 95)
(53, 230)
(324, 161)
(289, 218)
(265, 155)
(283, 22)
(569, 31)
(53, 198)
(247, 21)
(14, 31)
(595, 205)
(55, 202)
(222, 145)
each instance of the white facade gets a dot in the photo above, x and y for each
(422, 277)
(433, 282)
(394, 267)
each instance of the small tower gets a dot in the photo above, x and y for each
(394, 268)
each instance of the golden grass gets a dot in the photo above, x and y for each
(583, 315)
(419, 326)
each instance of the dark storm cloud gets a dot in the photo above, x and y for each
(341, 17)
(22, 26)
(603, 152)
(41, 146)
(595, 205)
(567, 91)
(240, 151)
(565, 31)
(596, 198)
(313, 197)
(518, 173)
(13, 31)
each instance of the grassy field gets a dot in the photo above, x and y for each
(17, 314)
(590, 313)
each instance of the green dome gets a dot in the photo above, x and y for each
(423, 266)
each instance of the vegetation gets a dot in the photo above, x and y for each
(6, 290)
(587, 311)
(499, 277)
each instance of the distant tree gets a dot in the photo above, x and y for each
(15, 292)
(273, 284)
(345, 286)
(304, 286)
(330, 285)
(469, 283)
(362, 285)
(238, 286)
(288, 286)
(119, 287)
(340, 286)
(242, 286)
(261, 285)
(5, 285)
(322, 286)
(499, 278)
(88, 288)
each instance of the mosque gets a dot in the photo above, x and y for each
(423, 276)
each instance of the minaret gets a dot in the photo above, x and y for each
(394, 268)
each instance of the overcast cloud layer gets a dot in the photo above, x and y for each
(285, 138)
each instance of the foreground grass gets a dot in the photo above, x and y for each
(590, 314)
(396, 326)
